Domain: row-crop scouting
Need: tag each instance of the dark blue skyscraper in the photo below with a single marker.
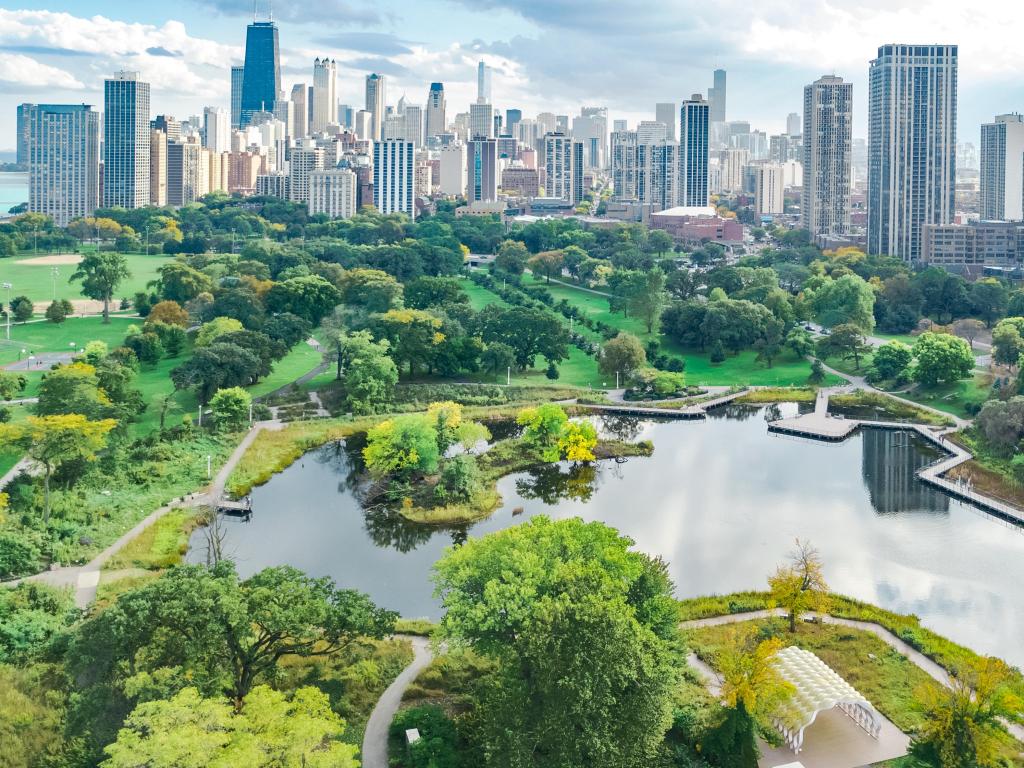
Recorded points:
(261, 80)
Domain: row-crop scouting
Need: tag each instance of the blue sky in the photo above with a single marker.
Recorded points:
(549, 55)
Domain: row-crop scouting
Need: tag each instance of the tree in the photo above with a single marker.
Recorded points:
(623, 354)
(753, 691)
(1008, 341)
(11, 384)
(800, 585)
(848, 300)
(941, 358)
(370, 375)
(577, 442)
(547, 263)
(181, 283)
(581, 629)
(21, 309)
(528, 331)
(800, 342)
(649, 300)
(892, 360)
(72, 388)
(544, 426)
(403, 446)
(511, 257)
(412, 334)
(425, 292)
(497, 357)
(659, 241)
(373, 290)
(147, 346)
(219, 326)
(847, 342)
(169, 312)
(53, 441)
(273, 729)
(969, 329)
(224, 635)
(101, 272)
(769, 344)
(56, 312)
(311, 298)
(216, 367)
(231, 408)
(964, 722)
(989, 299)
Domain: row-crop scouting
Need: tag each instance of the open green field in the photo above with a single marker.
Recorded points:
(36, 280)
(788, 370)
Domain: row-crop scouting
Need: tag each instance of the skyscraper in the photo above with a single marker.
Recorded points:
(305, 159)
(483, 83)
(624, 160)
(435, 121)
(261, 81)
(412, 122)
(216, 131)
(63, 160)
(911, 145)
(157, 167)
(125, 141)
(563, 166)
(792, 124)
(827, 154)
(716, 97)
(482, 170)
(591, 127)
(693, 152)
(665, 112)
(1002, 169)
(325, 98)
(333, 193)
(237, 77)
(512, 118)
(187, 173)
(481, 120)
(376, 102)
(394, 175)
(300, 124)
(769, 189)
(23, 134)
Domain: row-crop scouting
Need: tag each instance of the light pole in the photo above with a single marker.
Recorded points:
(508, 379)
(54, 272)
(8, 286)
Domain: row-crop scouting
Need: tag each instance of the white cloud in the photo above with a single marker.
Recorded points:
(23, 72)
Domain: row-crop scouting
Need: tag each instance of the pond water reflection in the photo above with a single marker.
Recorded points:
(720, 500)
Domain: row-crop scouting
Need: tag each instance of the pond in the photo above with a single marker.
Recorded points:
(720, 500)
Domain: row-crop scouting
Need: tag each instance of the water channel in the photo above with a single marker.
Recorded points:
(720, 500)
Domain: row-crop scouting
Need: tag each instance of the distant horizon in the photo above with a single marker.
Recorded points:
(546, 57)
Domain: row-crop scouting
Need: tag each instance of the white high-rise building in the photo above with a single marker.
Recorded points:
(125, 141)
(591, 127)
(304, 160)
(827, 154)
(731, 163)
(332, 193)
(300, 113)
(394, 176)
(624, 160)
(665, 112)
(63, 160)
(413, 124)
(912, 101)
(435, 120)
(651, 132)
(217, 129)
(157, 168)
(325, 95)
(769, 189)
(376, 103)
(452, 170)
(481, 120)
(483, 83)
(658, 174)
(1002, 169)
(563, 167)
(694, 121)
(793, 124)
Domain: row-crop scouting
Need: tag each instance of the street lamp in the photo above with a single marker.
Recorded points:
(8, 286)
(54, 273)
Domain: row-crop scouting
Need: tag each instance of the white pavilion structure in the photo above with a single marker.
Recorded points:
(818, 689)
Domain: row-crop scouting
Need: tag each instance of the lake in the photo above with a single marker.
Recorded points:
(13, 190)
(721, 501)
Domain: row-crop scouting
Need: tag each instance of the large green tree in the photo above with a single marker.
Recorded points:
(846, 341)
(101, 272)
(940, 357)
(848, 300)
(623, 354)
(583, 631)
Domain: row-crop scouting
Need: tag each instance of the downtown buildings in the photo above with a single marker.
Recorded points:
(126, 141)
(911, 145)
(394, 176)
(62, 153)
(1002, 169)
(827, 153)
(261, 77)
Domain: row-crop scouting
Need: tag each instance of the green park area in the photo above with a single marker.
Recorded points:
(34, 277)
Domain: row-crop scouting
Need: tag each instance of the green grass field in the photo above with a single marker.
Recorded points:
(36, 280)
(788, 370)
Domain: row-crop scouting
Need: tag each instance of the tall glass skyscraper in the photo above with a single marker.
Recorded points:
(63, 160)
(694, 117)
(261, 80)
(237, 75)
(126, 141)
(911, 145)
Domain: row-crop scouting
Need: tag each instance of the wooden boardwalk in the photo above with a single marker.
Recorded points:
(692, 412)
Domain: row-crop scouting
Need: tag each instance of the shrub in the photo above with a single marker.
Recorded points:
(439, 744)
(460, 479)
(231, 408)
(17, 555)
(717, 352)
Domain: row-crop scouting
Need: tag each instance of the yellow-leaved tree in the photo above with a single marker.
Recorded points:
(800, 586)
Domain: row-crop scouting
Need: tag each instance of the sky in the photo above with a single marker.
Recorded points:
(547, 55)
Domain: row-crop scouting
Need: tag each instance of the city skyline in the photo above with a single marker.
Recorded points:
(50, 54)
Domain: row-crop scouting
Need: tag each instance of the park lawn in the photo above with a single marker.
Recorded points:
(954, 398)
(480, 297)
(36, 280)
(299, 361)
(596, 308)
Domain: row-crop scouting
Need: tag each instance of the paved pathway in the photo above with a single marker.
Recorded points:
(84, 579)
(933, 670)
(375, 738)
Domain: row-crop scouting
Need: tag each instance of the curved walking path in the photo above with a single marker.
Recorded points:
(929, 667)
(375, 737)
(85, 579)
